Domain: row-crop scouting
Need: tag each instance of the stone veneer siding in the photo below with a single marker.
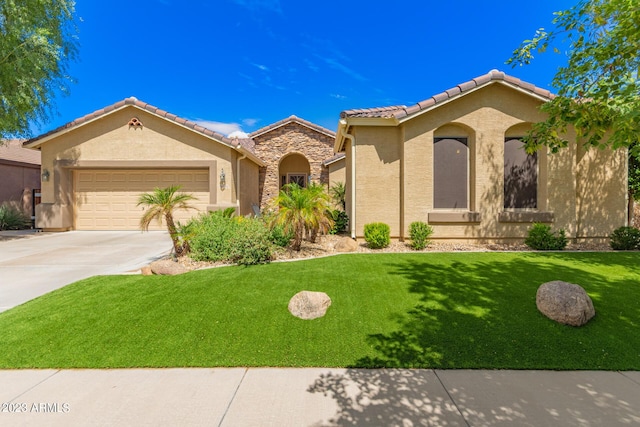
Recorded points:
(290, 138)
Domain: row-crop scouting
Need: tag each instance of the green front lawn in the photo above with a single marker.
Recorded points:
(429, 310)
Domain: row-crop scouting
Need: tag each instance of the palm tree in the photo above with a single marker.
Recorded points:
(162, 202)
(338, 193)
(298, 209)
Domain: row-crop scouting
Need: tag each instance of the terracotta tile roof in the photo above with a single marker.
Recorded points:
(292, 119)
(234, 142)
(333, 159)
(401, 111)
(12, 150)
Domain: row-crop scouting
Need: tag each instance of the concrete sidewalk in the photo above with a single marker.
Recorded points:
(318, 397)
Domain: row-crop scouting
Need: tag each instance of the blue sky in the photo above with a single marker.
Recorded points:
(244, 64)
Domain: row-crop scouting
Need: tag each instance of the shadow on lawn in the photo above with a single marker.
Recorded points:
(474, 314)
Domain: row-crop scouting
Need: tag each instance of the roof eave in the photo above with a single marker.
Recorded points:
(37, 142)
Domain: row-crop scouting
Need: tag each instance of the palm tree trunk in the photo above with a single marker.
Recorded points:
(173, 233)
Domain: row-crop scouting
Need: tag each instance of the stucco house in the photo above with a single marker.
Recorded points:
(95, 167)
(456, 161)
(19, 175)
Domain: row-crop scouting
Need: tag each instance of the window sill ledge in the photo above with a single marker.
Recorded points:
(454, 217)
(526, 217)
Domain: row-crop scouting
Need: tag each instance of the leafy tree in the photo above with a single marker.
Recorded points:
(299, 209)
(161, 203)
(598, 89)
(38, 38)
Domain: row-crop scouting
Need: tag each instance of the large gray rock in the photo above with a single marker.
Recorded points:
(309, 305)
(166, 267)
(346, 244)
(565, 303)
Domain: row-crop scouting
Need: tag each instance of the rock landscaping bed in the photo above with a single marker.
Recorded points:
(326, 245)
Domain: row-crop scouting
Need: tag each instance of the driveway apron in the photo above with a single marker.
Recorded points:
(36, 265)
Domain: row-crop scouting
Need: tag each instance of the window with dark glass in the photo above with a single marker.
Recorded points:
(450, 173)
(520, 176)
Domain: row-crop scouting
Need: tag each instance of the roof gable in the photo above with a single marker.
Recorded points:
(244, 145)
(402, 112)
(296, 120)
(394, 115)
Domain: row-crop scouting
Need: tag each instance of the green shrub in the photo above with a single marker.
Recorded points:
(250, 242)
(419, 233)
(340, 221)
(13, 219)
(280, 237)
(625, 239)
(543, 239)
(377, 235)
(218, 237)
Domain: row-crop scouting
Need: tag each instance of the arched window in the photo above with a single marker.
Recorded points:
(451, 173)
(520, 176)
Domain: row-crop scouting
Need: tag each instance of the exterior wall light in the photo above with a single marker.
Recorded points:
(223, 180)
(45, 175)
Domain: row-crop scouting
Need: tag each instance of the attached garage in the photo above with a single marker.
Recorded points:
(95, 168)
(107, 199)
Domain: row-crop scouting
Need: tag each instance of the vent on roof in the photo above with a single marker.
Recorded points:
(135, 123)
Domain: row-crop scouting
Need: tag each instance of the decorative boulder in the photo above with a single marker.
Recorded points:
(146, 271)
(166, 267)
(565, 303)
(346, 244)
(309, 305)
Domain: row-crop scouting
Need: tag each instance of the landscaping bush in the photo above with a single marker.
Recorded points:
(419, 233)
(250, 242)
(280, 237)
(376, 234)
(340, 221)
(13, 219)
(218, 237)
(543, 239)
(625, 239)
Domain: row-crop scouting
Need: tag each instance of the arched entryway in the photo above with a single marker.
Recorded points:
(294, 168)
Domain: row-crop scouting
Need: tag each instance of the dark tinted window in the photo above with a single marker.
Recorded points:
(450, 173)
(520, 176)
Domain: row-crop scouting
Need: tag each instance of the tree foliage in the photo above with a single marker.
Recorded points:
(298, 209)
(598, 88)
(161, 203)
(38, 39)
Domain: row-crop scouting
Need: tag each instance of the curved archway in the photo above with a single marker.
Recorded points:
(294, 167)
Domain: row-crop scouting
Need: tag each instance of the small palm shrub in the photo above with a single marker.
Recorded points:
(419, 233)
(376, 234)
(625, 239)
(541, 238)
(340, 221)
(12, 218)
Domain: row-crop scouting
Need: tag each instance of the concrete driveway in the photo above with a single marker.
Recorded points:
(41, 262)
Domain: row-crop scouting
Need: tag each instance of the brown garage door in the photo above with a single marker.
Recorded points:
(107, 199)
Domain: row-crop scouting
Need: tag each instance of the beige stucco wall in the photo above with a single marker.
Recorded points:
(585, 192)
(337, 172)
(377, 189)
(249, 175)
(109, 142)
